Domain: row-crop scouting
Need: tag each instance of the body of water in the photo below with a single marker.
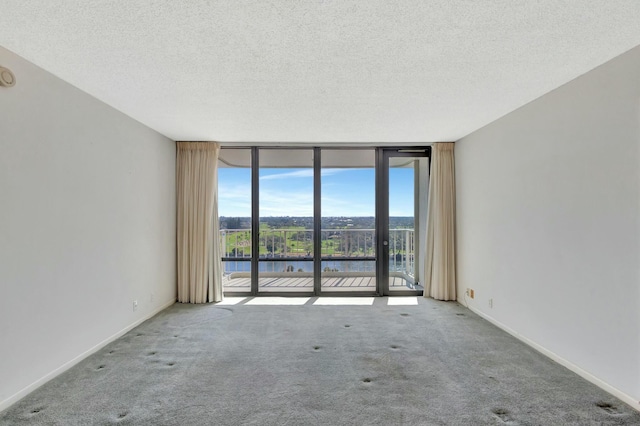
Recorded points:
(307, 265)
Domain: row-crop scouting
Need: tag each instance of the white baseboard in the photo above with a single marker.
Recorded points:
(64, 367)
(628, 399)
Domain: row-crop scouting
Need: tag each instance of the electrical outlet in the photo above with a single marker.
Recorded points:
(135, 305)
(491, 303)
(472, 293)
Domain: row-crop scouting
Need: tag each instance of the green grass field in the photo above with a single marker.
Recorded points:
(294, 241)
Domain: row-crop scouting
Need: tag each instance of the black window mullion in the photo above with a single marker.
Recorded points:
(317, 223)
(255, 219)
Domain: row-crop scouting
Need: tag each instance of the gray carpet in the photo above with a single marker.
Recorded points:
(432, 364)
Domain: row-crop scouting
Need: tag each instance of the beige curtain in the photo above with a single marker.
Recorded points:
(440, 279)
(198, 242)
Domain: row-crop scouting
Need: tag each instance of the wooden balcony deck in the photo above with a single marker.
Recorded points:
(305, 284)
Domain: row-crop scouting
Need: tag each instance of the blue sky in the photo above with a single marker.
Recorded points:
(289, 192)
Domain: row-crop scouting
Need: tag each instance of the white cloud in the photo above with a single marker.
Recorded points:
(304, 173)
(234, 200)
(287, 175)
(274, 203)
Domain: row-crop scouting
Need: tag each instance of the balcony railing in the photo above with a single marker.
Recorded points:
(289, 246)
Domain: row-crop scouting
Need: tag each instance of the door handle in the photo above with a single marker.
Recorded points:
(385, 243)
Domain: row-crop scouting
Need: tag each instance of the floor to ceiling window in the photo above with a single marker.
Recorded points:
(326, 221)
(348, 232)
(286, 220)
(234, 210)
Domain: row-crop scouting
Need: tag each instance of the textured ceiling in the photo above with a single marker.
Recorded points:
(318, 70)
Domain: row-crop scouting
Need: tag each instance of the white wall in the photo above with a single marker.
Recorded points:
(87, 225)
(548, 202)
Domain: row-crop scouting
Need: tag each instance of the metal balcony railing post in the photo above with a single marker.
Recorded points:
(223, 243)
(406, 252)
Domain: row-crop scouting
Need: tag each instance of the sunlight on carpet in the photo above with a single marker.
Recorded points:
(262, 301)
(344, 301)
(402, 301)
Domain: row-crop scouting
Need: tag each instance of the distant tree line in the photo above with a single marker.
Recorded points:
(306, 222)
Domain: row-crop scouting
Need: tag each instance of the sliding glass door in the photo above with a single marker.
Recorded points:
(402, 207)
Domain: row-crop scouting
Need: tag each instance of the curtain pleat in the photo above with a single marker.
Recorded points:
(440, 279)
(198, 243)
